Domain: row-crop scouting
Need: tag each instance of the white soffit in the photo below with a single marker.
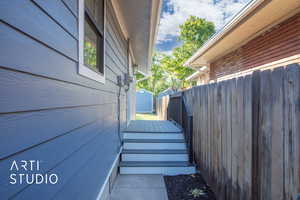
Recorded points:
(140, 17)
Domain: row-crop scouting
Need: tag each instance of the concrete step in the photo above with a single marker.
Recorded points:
(155, 155)
(153, 140)
(157, 144)
(168, 168)
(153, 135)
(143, 151)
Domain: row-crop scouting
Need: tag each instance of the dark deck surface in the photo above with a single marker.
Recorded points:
(152, 126)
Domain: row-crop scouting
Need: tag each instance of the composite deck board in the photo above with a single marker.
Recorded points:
(152, 126)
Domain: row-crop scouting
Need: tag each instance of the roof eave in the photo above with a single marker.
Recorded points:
(155, 18)
(136, 17)
(226, 29)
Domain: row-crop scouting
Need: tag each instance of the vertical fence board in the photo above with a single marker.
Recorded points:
(218, 106)
(265, 132)
(228, 121)
(277, 134)
(235, 150)
(210, 131)
(240, 136)
(255, 135)
(215, 137)
(246, 134)
(212, 135)
(247, 127)
(291, 131)
(223, 165)
(206, 129)
(200, 122)
(197, 120)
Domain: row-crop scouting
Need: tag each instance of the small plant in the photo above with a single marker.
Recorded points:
(197, 192)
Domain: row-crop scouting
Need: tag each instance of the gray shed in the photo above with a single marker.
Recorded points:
(144, 101)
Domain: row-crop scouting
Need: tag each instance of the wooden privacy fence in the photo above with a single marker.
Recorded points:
(246, 134)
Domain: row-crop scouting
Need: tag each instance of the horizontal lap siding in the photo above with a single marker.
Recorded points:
(274, 44)
(47, 111)
(72, 5)
(27, 17)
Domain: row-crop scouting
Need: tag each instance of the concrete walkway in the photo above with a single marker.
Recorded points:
(139, 187)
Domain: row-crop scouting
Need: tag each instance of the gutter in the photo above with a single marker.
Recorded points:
(249, 8)
(155, 19)
(142, 79)
(202, 70)
(192, 76)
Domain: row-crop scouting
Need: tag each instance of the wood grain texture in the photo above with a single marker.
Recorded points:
(277, 134)
(291, 131)
(246, 134)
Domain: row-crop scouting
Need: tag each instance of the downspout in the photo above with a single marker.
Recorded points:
(128, 70)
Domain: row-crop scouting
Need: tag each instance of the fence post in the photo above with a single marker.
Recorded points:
(255, 130)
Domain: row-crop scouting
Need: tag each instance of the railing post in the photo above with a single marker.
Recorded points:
(178, 111)
(192, 160)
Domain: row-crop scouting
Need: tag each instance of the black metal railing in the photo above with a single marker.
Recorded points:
(179, 112)
(174, 111)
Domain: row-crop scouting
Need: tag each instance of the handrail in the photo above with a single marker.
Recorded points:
(187, 125)
(179, 111)
(187, 107)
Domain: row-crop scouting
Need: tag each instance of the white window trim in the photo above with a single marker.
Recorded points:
(83, 69)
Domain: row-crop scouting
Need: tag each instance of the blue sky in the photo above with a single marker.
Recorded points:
(175, 12)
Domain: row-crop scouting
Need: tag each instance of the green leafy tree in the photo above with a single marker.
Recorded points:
(168, 70)
(139, 76)
(196, 30)
(156, 82)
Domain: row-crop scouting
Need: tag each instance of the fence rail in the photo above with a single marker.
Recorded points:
(245, 136)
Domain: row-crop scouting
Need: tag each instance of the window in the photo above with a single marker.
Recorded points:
(91, 39)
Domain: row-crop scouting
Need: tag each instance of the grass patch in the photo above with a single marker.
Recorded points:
(146, 117)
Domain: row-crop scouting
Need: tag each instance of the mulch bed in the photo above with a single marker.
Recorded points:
(188, 187)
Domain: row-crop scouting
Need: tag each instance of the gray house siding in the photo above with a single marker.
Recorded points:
(48, 111)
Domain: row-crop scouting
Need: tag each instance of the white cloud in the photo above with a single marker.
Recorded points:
(219, 13)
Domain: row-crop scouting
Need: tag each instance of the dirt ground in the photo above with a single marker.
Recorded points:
(188, 187)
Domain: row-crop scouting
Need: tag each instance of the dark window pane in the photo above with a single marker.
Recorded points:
(100, 14)
(91, 5)
(91, 44)
(94, 35)
(96, 9)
